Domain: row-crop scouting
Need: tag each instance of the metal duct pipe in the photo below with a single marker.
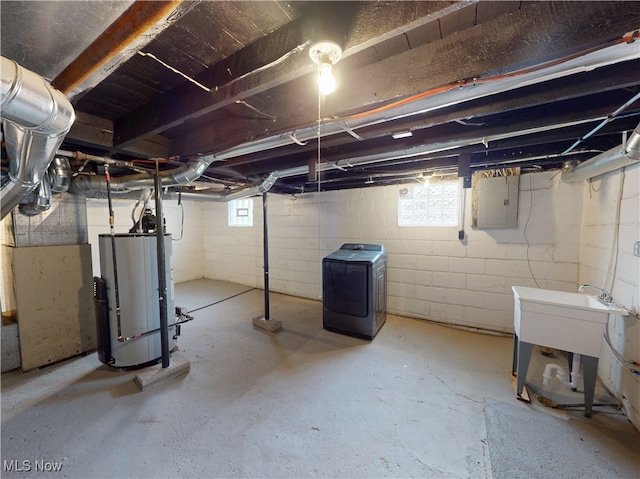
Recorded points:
(189, 172)
(35, 117)
(618, 157)
(60, 175)
(39, 200)
(264, 186)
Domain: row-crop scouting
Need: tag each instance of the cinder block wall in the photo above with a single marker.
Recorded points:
(604, 230)
(432, 274)
(187, 252)
(232, 254)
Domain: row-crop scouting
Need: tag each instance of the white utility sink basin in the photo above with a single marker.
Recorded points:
(572, 322)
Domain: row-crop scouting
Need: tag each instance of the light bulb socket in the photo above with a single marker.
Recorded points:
(325, 52)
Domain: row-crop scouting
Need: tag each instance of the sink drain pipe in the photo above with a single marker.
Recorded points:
(561, 375)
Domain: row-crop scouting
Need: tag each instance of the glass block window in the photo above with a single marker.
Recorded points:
(433, 204)
(240, 212)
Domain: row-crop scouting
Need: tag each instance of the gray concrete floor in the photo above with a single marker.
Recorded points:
(303, 402)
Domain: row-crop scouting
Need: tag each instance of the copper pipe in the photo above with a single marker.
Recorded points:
(133, 23)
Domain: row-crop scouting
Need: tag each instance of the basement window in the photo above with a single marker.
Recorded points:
(240, 212)
(433, 204)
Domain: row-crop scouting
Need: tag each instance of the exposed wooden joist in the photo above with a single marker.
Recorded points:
(289, 116)
(481, 139)
(188, 101)
(95, 132)
(505, 44)
(127, 29)
(498, 46)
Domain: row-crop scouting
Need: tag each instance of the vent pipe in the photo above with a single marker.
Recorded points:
(35, 118)
(39, 200)
(618, 157)
(262, 187)
(189, 172)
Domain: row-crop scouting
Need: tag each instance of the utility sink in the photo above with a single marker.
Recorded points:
(572, 322)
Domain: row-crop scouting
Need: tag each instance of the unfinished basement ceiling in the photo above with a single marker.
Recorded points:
(479, 84)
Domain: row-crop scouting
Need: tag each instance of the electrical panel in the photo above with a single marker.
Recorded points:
(497, 205)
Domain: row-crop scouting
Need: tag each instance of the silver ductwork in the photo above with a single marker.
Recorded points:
(262, 187)
(39, 200)
(35, 118)
(61, 174)
(618, 157)
(189, 172)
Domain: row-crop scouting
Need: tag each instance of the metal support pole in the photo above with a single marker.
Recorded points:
(162, 278)
(265, 249)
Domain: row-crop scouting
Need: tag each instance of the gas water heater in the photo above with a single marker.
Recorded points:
(126, 299)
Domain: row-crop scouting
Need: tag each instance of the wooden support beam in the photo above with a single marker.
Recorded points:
(188, 101)
(129, 27)
(435, 64)
(95, 132)
(292, 114)
(506, 44)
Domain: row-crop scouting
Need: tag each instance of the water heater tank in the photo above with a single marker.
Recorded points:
(137, 284)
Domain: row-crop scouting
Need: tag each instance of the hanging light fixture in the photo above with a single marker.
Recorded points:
(325, 54)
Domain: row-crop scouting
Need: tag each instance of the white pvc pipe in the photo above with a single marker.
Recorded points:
(547, 375)
(561, 375)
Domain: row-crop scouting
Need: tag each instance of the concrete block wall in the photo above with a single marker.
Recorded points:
(187, 252)
(232, 253)
(607, 261)
(432, 274)
(65, 222)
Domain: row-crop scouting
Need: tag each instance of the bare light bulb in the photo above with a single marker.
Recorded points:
(326, 80)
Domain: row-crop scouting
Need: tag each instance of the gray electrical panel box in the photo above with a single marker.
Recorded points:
(498, 202)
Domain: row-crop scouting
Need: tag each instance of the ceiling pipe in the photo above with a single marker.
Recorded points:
(229, 195)
(617, 157)
(425, 149)
(196, 195)
(189, 172)
(441, 98)
(96, 185)
(35, 118)
(39, 200)
(128, 28)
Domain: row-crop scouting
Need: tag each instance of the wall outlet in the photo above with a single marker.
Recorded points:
(636, 248)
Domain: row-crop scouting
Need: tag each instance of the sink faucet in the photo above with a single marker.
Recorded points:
(605, 297)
